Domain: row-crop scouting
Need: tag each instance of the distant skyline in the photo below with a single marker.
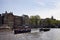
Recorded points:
(43, 8)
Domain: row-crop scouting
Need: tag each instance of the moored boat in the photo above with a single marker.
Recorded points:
(22, 30)
(44, 29)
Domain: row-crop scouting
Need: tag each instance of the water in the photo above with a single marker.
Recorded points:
(53, 34)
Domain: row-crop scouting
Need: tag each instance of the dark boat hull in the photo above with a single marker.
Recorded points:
(19, 31)
(44, 29)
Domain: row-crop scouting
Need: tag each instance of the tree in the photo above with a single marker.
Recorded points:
(48, 22)
(34, 20)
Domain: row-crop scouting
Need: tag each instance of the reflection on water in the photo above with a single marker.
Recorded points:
(53, 34)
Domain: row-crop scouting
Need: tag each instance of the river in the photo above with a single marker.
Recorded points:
(53, 34)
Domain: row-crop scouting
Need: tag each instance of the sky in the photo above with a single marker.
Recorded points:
(43, 8)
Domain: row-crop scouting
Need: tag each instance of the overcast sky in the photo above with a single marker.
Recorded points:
(43, 8)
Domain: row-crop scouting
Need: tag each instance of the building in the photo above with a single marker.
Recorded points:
(18, 22)
(8, 19)
(0, 20)
(52, 18)
(25, 20)
(13, 21)
(43, 23)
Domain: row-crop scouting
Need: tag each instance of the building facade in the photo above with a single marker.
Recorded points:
(13, 21)
(25, 20)
(0, 20)
(18, 21)
(8, 19)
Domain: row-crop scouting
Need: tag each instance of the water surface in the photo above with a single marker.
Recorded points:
(53, 34)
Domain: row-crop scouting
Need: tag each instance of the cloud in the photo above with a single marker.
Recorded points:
(48, 8)
(44, 8)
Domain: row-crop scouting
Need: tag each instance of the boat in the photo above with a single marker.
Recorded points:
(44, 29)
(22, 30)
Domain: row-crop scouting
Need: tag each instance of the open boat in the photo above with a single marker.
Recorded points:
(44, 29)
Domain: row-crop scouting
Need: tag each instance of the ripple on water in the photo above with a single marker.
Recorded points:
(53, 34)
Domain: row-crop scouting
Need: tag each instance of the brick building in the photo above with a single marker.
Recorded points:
(12, 21)
(8, 19)
(18, 21)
